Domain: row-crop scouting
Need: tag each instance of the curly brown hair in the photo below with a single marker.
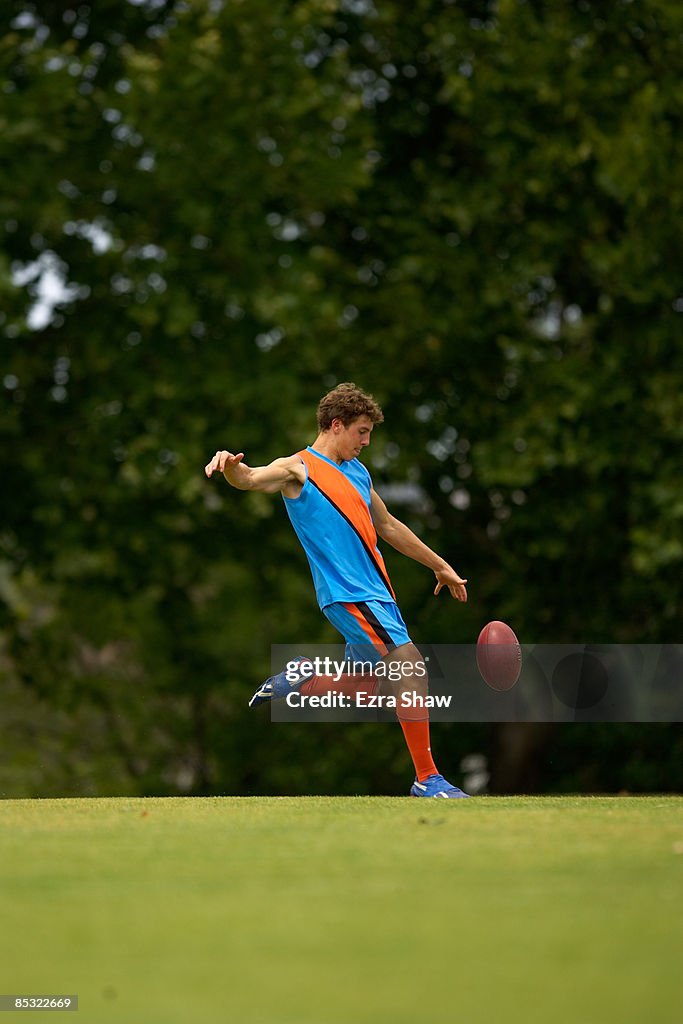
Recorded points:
(347, 402)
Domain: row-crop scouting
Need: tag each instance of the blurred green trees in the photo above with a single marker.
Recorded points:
(212, 212)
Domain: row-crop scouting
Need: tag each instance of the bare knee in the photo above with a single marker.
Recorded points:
(406, 669)
(408, 656)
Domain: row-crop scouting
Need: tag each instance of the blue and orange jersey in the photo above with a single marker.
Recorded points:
(332, 520)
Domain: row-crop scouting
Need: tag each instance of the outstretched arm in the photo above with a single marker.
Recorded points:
(401, 537)
(277, 476)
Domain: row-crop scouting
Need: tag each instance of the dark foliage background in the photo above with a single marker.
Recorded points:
(212, 212)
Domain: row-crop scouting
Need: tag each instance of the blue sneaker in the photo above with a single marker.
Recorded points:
(436, 785)
(280, 685)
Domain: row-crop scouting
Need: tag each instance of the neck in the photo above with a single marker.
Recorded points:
(325, 444)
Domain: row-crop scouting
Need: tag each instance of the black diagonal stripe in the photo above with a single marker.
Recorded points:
(381, 631)
(358, 534)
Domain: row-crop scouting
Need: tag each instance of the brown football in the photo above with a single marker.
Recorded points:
(499, 656)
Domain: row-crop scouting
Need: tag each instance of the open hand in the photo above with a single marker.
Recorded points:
(448, 577)
(223, 462)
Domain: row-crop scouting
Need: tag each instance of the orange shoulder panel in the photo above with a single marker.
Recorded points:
(349, 501)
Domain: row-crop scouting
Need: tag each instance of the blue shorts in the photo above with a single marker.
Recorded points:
(371, 628)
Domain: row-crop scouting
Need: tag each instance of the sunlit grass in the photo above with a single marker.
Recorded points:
(346, 910)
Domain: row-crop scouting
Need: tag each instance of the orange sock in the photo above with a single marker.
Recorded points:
(349, 685)
(417, 737)
(416, 732)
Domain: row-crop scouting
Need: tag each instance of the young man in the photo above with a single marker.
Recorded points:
(337, 516)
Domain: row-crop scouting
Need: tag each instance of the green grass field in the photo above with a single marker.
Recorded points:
(346, 910)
